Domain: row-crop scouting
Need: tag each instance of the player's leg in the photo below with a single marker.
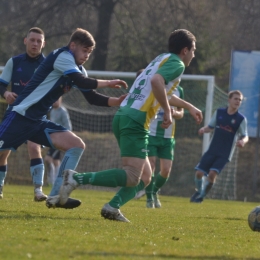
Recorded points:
(166, 155)
(73, 148)
(56, 163)
(52, 161)
(216, 168)
(160, 179)
(132, 139)
(53, 135)
(111, 210)
(3, 169)
(133, 142)
(129, 144)
(152, 150)
(202, 169)
(149, 187)
(36, 170)
(14, 131)
(50, 169)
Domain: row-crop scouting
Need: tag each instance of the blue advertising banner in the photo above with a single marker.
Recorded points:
(245, 76)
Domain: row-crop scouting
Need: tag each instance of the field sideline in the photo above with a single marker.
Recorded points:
(179, 230)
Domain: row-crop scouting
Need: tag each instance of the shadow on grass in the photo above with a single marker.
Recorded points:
(24, 215)
(155, 256)
(236, 219)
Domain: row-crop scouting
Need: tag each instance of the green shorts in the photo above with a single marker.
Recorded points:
(161, 147)
(131, 136)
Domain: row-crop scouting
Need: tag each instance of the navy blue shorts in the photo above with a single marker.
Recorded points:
(15, 129)
(211, 162)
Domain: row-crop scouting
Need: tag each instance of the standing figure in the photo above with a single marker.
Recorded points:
(161, 144)
(230, 130)
(19, 70)
(59, 115)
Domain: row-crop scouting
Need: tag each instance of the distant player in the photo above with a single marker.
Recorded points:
(25, 119)
(161, 144)
(230, 130)
(19, 70)
(151, 90)
(58, 115)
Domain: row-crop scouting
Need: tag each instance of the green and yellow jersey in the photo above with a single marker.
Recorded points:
(140, 103)
(155, 127)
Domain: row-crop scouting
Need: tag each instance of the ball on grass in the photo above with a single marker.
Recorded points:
(254, 219)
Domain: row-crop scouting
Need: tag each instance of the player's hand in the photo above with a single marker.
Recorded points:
(117, 83)
(116, 101)
(196, 114)
(173, 112)
(10, 97)
(167, 119)
(240, 143)
(201, 131)
(121, 98)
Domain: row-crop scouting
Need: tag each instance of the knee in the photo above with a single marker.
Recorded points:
(3, 157)
(133, 176)
(81, 144)
(199, 174)
(77, 143)
(34, 150)
(212, 176)
(165, 172)
(146, 180)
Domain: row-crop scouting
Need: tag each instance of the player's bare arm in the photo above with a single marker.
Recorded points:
(204, 130)
(116, 101)
(241, 143)
(159, 92)
(195, 112)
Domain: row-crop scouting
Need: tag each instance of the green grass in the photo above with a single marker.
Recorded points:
(179, 230)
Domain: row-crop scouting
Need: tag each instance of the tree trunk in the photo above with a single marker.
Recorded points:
(105, 12)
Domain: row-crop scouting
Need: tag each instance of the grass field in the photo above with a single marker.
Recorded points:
(179, 230)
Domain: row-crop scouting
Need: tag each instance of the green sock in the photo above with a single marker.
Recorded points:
(149, 189)
(125, 194)
(159, 182)
(107, 178)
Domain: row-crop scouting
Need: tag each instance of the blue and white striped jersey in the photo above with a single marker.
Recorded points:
(48, 83)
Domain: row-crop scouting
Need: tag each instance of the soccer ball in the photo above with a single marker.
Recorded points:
(254, 219)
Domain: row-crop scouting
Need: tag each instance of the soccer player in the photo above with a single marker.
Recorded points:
(58, 115)
(25, 119)
(161, 144)
(230, 130)
(149, 92)
(19, 70)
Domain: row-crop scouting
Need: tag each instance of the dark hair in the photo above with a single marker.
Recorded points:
(180, 39)
(82, 37)
(36, 30)
(235, 92)
(139, 72)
